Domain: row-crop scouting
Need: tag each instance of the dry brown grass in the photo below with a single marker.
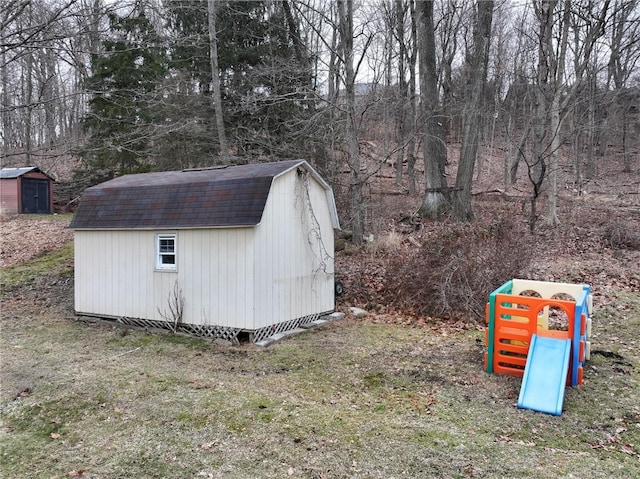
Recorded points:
(357, 399)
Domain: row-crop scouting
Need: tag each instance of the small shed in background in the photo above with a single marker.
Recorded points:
(214, 252)
(25, 190)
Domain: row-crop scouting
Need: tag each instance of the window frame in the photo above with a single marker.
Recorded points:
(160, 265)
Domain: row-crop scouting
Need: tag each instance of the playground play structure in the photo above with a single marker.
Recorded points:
(539, 331)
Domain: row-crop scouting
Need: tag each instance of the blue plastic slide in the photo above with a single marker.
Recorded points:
(545, 375)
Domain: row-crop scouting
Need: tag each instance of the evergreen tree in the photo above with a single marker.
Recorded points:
(265, 78)
(127, 98)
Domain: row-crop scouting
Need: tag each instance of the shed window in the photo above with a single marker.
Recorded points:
(166, 248)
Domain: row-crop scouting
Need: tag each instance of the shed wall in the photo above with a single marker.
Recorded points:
(294, 268)
(215, 268)
(115, 275)
(9, 196)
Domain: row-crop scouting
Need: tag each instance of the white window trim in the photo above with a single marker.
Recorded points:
(160, 266)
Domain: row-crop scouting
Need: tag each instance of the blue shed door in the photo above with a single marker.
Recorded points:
(35, 196)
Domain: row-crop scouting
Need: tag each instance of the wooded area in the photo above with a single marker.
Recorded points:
(123, 86)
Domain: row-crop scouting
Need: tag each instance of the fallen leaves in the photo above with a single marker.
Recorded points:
(614, 442)
(24, 237)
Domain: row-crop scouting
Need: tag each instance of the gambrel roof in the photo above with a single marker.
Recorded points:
(230, 196)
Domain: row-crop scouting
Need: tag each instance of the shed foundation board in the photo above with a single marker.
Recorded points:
(324, 320)
(219, 332)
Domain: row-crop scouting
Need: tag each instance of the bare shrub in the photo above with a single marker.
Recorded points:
(621, 236)
(387, 243)
(453, 272)
(175, 302)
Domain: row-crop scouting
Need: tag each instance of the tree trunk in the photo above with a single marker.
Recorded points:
(542, 130)
(5, 103)
(50, 96)
(402, 87)
(345, 14)
(626, 153)
(552, 208)
(448, 27)
(215, 82)
(435, 152)
(411, 147)
(333, 80)
(28, 100)
(333, 93)
(555, 118)
(472, 117)
(578, 150)
(518, 156)
(506, 178)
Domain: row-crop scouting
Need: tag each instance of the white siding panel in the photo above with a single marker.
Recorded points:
(82, 262)
(213, 266)
(138, 262)
(294, 252)
(114, 273)
(324, 247)
(91, 281)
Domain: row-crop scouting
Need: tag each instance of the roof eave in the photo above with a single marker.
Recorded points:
(163, 228)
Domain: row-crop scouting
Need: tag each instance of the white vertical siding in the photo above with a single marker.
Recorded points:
(323, 246)
(115, 275)
(215, 275)
(293, 275)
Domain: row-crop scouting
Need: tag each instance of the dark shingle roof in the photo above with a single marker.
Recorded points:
(216, 197)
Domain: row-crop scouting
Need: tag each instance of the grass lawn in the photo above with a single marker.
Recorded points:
(356, 399)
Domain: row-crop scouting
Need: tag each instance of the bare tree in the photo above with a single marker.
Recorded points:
(518, 104)
(623, 60)
(590, 21)
(451, 28)
(215, 81)
(435, 153)
(404, 32)
(411, 94)
(44, 57)
(473, 115)
(557, 86)
(345, 19)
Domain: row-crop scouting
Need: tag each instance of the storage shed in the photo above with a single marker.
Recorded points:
(25, 190)
(213, 252)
